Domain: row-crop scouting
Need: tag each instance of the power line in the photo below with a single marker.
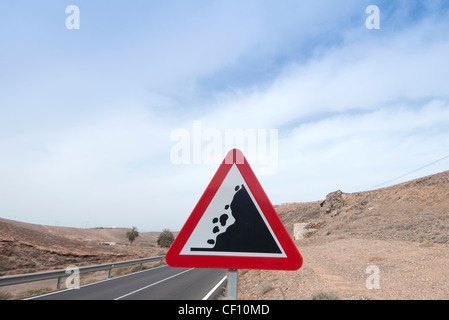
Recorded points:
(406, 174)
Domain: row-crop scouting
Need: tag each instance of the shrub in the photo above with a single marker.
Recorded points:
(265, 286)
(165, 239)
(325, 296)
(132, 235)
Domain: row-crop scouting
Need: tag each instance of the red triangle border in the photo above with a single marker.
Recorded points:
(293, 259)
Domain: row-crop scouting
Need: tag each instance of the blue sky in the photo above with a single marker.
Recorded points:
(86, 115)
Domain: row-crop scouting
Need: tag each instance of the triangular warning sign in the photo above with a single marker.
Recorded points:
(234, 225)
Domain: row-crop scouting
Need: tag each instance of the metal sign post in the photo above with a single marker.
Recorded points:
(232, 284)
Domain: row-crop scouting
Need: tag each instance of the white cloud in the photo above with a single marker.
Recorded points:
(356, 77)
(354, 116)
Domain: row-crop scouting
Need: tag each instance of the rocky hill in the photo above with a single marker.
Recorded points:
(401, 232)
(417, 210)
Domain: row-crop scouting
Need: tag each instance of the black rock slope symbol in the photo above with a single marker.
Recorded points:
(248, 233)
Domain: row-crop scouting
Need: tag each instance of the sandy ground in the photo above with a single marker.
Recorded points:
(406, 270)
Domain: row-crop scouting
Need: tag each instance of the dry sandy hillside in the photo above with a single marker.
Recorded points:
(26, 247)
(400, 233)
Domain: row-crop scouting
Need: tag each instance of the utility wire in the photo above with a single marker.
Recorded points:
(406, 174)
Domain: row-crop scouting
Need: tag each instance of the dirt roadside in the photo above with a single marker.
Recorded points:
(407, 271)
(403, 230)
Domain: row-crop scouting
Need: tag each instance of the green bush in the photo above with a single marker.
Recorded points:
(132, 235)
(165, 239)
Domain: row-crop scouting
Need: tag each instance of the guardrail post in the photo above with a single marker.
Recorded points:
(109, 273)
(58, 284)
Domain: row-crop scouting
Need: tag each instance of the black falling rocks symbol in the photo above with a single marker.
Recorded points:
(248, 233)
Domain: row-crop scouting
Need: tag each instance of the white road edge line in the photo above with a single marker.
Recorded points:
(214, 288)
(153, 284)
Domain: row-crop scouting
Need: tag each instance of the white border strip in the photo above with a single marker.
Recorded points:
(215, 288)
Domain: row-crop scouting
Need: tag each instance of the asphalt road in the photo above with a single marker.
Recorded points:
(160, 283)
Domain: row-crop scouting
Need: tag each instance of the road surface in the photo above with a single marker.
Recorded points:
(160, 283)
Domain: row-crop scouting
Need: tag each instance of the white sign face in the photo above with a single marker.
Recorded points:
(233, 224)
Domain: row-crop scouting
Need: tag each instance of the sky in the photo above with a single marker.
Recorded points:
(124, 119)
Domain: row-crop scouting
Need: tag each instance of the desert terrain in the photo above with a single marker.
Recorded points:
(26, 247)
(399, 235)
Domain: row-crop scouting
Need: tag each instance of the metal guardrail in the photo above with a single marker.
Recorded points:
(58, 274)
